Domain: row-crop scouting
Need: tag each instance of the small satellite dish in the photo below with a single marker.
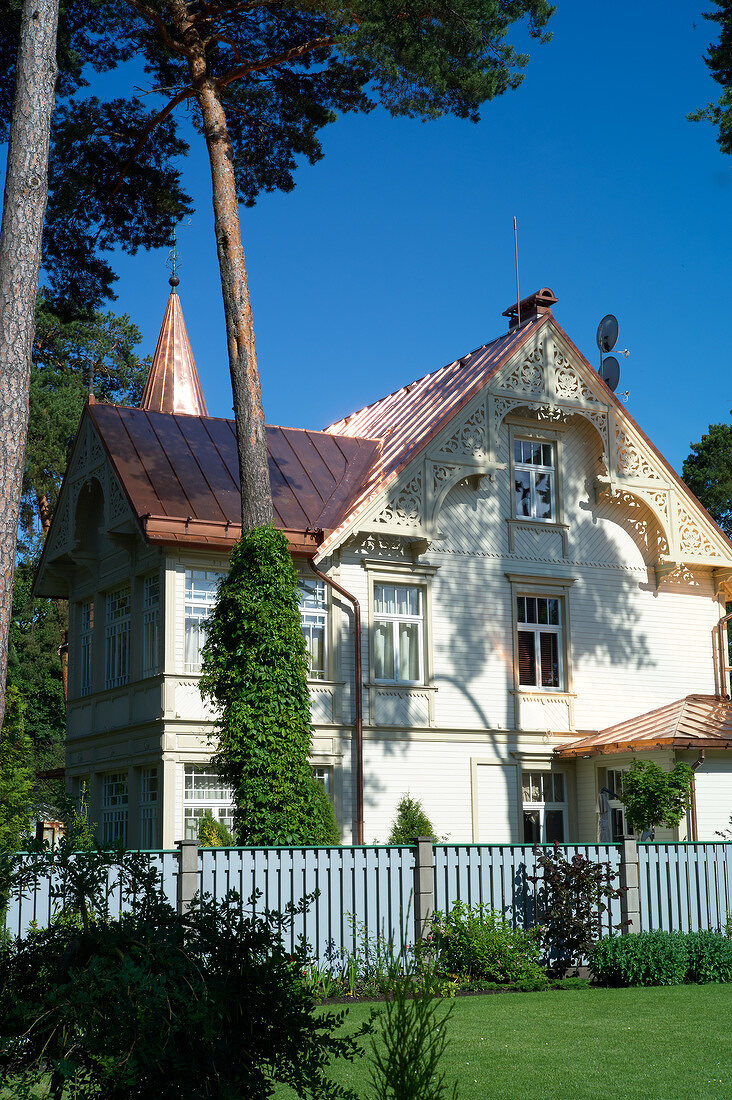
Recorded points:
(607, 333)
(610, 372)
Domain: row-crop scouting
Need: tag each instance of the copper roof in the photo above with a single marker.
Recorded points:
(406, 420)
(181, 476)
(694, 722)
(173, 385)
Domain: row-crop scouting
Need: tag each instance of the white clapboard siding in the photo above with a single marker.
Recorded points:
(713, 797)
(496, 794)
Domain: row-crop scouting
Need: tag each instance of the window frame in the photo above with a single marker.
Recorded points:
(86, 647)
(115, 807)
(397, 619)
(617, 807)
(150, 648)
(553, 588)
(191, 668)
(323, 614)
(149, 806)
(543, 805)
(524, 429)
(401, 574)
(202, 804)
(533, 469)
(116, 652)
(537, 630)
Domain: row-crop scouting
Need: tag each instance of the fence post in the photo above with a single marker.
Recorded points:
(630, 881)
(424, 884)
(187, 873)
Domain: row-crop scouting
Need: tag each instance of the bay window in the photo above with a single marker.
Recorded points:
(150, 614)
(86, 643)
(148, 807)
(205, 793)
(114, 807)
(398, 633)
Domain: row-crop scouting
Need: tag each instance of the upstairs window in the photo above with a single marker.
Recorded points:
(114, 807)
(201, 590)
(150, 616)
(398, 633)
(545, 807)
(539, 625)
(86, 641)
(314, 622)
(534, 480)
(117, 638)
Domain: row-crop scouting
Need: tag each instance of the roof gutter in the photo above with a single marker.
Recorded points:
(358, 671)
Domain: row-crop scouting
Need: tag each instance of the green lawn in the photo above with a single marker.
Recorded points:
(655, 1044)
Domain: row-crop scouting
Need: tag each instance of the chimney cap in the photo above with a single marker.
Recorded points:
(531, 307)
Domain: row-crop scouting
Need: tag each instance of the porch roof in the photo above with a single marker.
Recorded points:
(694, 722)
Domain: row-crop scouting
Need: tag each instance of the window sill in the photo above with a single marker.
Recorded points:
(516, 523)
(544, 693)
(401, 685)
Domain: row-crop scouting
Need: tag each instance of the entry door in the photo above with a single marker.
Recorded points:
(495, 807)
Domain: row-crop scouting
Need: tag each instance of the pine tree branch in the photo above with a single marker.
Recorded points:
(273, 62)
(152, 17)
(186, 93)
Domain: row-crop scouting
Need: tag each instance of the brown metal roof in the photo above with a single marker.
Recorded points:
(181, 476)
(694, 722)
(173, 385)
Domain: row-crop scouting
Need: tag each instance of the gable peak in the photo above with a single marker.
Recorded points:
(173, 385)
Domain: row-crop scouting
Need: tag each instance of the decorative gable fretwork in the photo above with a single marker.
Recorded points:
(89, 463)
(549, 382)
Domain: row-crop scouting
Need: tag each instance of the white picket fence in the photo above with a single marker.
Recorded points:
(365, 892)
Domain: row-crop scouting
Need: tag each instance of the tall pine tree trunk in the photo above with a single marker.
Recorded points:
(24, 208)
(256, 494)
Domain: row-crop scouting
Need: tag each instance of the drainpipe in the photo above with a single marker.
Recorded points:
(720, 655)
(358, 731)
(694, 766)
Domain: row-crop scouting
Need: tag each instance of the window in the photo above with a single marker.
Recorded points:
(324, 774)
(539, 625)
(150, 612)
(117, 639)
(201, 588)
(614, 783)
(398, 633)
(205, 792)
(545, 807)
(148, 807)
(114, 807)
(314, 623)
(86, 640)
(534, 479)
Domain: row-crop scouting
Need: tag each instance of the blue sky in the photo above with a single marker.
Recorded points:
(394, 254)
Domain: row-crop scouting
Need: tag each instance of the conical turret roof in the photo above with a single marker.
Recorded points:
(173, 385)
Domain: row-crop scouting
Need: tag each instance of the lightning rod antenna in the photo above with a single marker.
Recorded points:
(515, 248)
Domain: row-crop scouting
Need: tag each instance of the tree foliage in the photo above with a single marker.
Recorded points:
(654, 797)
(255, 672)
(16, 778)
(708, 473)
(719, 63)
(208, 1005)
(410, 822)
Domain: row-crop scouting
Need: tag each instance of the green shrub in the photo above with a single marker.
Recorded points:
(213, 833)
(328, 829)
(208, 1005)
(654, 797)
(480, 943)
(710, 957)
(410, 822)
(641, 958)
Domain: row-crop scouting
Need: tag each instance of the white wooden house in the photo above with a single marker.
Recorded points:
(538, 594)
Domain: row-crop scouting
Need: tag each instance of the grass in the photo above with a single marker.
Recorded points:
(661, 1043)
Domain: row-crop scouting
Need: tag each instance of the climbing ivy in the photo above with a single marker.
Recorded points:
(255, 673)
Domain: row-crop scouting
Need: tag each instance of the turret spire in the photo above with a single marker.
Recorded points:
(173, 385)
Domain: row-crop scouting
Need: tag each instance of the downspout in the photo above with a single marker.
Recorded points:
(358, 730)
(697, 763)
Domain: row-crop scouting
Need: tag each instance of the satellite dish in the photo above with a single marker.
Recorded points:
(610, 371)
(607, 333)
